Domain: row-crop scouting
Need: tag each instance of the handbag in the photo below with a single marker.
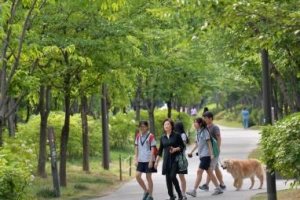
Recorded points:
(182, 162)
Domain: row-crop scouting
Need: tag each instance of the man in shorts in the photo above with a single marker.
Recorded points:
(144, 159)
(215, 132)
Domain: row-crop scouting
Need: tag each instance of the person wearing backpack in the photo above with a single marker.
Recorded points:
(206, 154)
(145, 145)
(179, 129)
(215, 133)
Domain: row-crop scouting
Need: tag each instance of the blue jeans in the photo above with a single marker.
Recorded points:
(245, 123)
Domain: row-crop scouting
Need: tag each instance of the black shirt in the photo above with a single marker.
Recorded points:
(175, 141)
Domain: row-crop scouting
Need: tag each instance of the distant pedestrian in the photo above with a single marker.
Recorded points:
(205, 152)
(205, 109)
(144, 159)
(245, 117)
(171, 145)
(179, 129)
(194, 112)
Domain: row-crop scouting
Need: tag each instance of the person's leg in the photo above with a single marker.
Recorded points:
(244, 123)
(169, 185)
(247, 123)
(198, 178)
(150, 183)
(183, 184)
(175, 180)
(219, 176)
(213, 178)
(204, 164)
(138, 177)
(141, 168)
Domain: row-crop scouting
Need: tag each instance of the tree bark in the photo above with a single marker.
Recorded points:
(85, 133)
(65, 132)
(138, 98)
(282, 86)
(44, 110)
(105, 130)
(11, 122)
(151, 106)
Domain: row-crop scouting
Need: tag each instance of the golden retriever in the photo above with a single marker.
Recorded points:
(241, 169)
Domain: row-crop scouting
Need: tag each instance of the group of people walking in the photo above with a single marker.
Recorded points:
(172, 143)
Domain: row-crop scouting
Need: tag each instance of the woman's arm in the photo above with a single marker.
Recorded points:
(210, 149)
(194, 148)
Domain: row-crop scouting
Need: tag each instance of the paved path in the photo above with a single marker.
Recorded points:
(236, 143)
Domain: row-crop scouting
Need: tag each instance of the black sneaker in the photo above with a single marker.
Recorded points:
(204, 187)
(145, 195)
(223, 187)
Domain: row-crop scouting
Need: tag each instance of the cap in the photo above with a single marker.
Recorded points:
(208, 114)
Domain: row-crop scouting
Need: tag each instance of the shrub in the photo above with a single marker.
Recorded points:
(280, 146)
(16, 166)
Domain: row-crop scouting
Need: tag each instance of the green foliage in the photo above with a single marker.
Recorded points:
(160, 115)
(121, 129)
(30, 132)
(46, 193)
(17, 162)
(280, 145)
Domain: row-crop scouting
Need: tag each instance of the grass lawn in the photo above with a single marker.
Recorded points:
(232, 124)
(85, 185)
(281, 195)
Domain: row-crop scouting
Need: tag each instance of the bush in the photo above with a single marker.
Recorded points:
(31, 131)
(280, 146)
(17, 161)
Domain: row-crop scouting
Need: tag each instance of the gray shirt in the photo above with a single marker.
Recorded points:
(144, 147)
(214, 130)
(201, 139)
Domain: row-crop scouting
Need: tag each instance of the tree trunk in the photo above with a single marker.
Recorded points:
(105, 130)
(65, 133)
(44, 110)
(11, 118)
(169, 106)
(151, 106)
(138, 98)
(85, 133)
(282, 87)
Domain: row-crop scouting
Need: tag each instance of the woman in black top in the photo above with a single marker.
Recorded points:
(171, 144)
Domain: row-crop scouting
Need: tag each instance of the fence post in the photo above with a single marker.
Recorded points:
(120, 163)
(51, 138)
(130, 163)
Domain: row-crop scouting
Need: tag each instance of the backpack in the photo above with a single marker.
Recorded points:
(150, 138)
(214, 144)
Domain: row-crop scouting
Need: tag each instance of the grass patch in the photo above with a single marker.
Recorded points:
(292, 194)
(231, 124)
(85, 185)
(255, 153)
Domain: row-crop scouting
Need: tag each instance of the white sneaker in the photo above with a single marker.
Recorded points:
(217, 191)
(192, 193)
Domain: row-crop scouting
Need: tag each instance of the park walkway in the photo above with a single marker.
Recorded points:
(236, 143)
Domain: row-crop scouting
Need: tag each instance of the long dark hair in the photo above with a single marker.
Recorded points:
(201, 122)
(179, 128)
